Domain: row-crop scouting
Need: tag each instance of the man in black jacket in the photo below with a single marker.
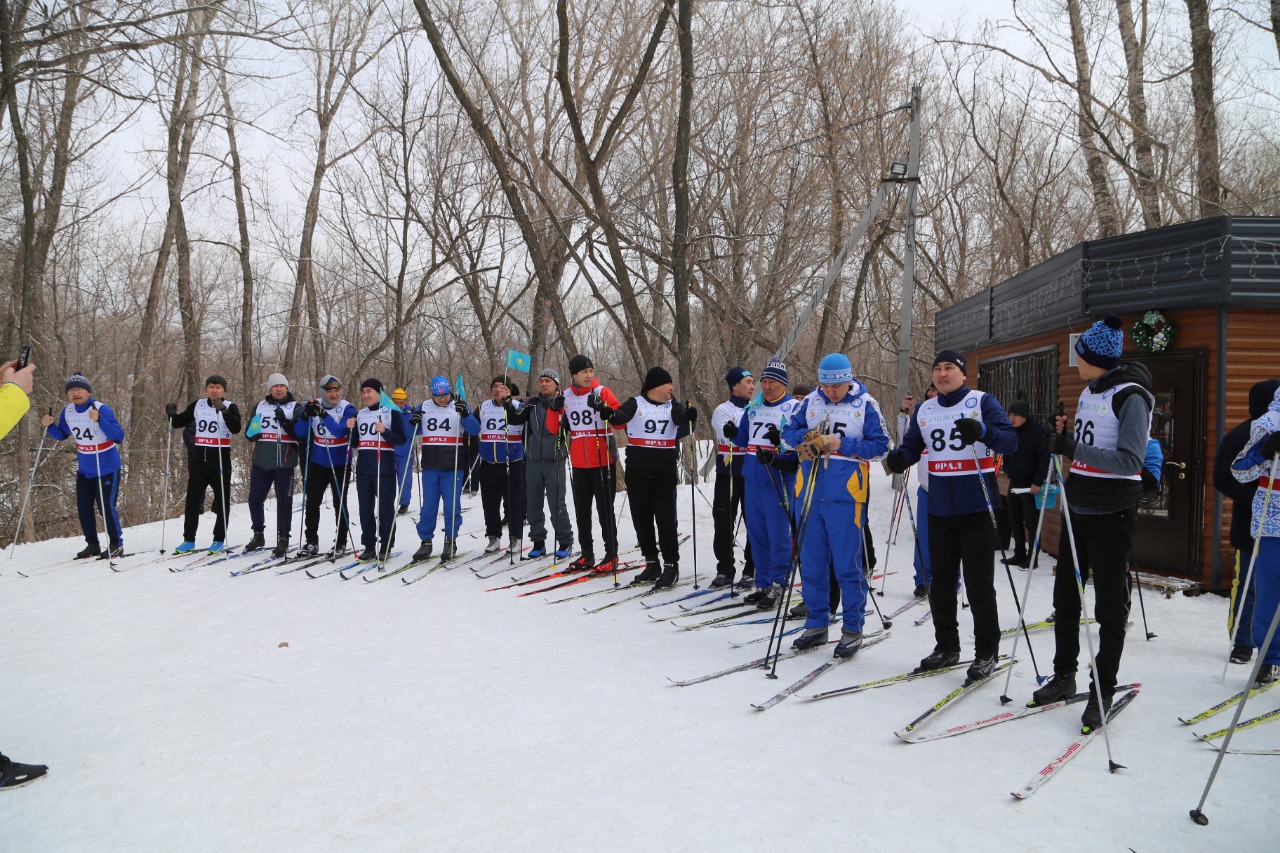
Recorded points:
(546, 448)
(1241, 495)
(1025, 469)
(212, 420)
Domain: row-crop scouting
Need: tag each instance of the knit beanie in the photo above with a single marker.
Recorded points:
(735, 375)
(439, 386)
(834, 369)
(514, 389)
(579, 363)
(1020, 407)
(1102, 344)
(399, 395)
(276, 379)
(775, 370)
(655, 377)
(548, 373)
(215, 379)
(950, 355)
(77, 380)
(375, 384)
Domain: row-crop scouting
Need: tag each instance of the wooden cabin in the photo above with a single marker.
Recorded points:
(1217, 281)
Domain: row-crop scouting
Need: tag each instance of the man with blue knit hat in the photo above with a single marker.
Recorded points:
(96, 432)
(327, 465)
(730, 486)
(769, 474)
(1107, 447)
(837, 431)
(962, 431)
(442, 423)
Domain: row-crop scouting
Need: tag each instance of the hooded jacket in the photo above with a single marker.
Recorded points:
(1241, 494)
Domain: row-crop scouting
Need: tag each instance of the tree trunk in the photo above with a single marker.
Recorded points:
(1135, 64)
(680, 192)
(1104, 203)
(1208, 159)
(247, 369)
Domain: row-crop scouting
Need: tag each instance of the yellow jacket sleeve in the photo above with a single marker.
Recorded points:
(13, 405)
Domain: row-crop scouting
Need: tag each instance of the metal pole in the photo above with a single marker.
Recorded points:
(912, 180)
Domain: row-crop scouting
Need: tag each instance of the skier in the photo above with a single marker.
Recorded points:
(1107, 447)
(327, 466)
(404, 462)
(545, 450)
(441, 431)
(213, 420)
(655, 421)
(726, 505)
(1241, 495)
(501, 466)
(587, 406)
(275, 428)
(837, 431)
(962, 430)
(769, 476)
(380, 430)
(1256, 463)
(1025, 469)
(96, 432)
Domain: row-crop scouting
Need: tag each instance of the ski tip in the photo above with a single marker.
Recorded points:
(1199, 817)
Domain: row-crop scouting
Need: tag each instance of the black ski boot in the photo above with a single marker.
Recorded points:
(309, 549)
(849, 645)
(670, 574)
(810, 638)
(1268, 673)
(1092, 716)
(921, 591)
(1241, 654)
(282, 547)
(15, 775)
(424, 551)
(449, 551)
(800, 611)
(980, 668)
(721, 581)
(748, 581)
(769, 597)
(1057, 688)
(1019, 559)
(938, 659)
(257, 542)
(652, 571)
(89, 551)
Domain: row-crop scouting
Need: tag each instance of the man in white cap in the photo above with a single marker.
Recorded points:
(275, 427)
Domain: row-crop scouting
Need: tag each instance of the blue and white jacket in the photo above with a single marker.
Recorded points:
(96, 450)
(1252, 465)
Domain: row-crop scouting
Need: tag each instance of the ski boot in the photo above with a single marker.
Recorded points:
(424, 551)
(938, 659)
(650, 574)
(849, 645)
(810, 638)
(1057, 688)
(670, 574)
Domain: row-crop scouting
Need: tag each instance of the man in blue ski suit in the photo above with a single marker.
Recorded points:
(442, 424)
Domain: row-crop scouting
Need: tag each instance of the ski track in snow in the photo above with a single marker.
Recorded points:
(439, 716)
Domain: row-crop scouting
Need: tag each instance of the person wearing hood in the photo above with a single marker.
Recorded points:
(726, 505)
(1107, 446)
(327, 470)
(959, 432)
(1025, 469)
(587, 406)
(275, 428)
(837, 431)
(1241, 495)
(212, 420)
(96, 432)
(1257, 463)
(545, 452)
(655, 422)
(442, 424)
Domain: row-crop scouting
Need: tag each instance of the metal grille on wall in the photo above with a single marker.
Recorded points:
(1032, 377)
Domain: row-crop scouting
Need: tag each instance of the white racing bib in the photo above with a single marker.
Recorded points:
(211, 427)
(652, 425)
(948, 456)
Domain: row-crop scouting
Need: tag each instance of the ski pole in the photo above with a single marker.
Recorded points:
(1026, 587)
(342, 496)
(797, 538)
(864, 573)
(995, 528)
(31, 481)
(693, 491)
(102, 503)
(395, 518)
(1084, 612)
(1142, 604)
(889, 539)
(167, 455)
(223, 482)
(1248, 576)
(306, 472)
(795, 553)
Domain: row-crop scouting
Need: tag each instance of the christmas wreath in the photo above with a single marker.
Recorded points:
(1153, 332)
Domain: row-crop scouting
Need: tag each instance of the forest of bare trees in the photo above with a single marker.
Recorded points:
(399, 190)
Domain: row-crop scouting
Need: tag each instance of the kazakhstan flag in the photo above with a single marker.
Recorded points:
(518, 361)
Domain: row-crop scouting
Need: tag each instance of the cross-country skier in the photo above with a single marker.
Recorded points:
(275, 427)
(546, 447)
(963, 430)
(587, 406)
(442, 429)
(1107, 445)
(214, 420)
(837, 431)
(655, 422)
(96, 432)
(379, 430)
(501, 466)
(1256, 463)
(404, 462)
(327, 466)
(769, 476)
(726, 505)
(1241, 494)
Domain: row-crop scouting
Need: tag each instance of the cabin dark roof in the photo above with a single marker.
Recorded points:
(1229, 260)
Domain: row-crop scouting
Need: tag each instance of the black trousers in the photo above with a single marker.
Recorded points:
(200, 477)
(652, 495)
(726, 506)
(376, 489)
(595, 485)
(261, 481)
(1023, 517)
(1105, 545)
(968, 541)
(502, 488)
(320, 478)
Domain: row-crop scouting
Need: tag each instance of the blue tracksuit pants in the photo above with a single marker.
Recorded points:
(832, 537)
(440, 487)
(768, 525)
(1266, 578)
(923, 576)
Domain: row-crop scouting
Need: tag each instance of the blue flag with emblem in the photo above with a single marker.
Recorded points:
(460, 388)
(386, 402)
(255, 427)
(517, 360)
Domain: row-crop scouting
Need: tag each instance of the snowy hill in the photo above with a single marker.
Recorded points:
(441, 716)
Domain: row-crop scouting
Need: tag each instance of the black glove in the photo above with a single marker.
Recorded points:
(416, 418)
(1065, 445)
(765, 456)
(970, 430)
(313, 409)
(1270, 445)
(772, 435)
(170, 409)
(557, 403)
(786, 466)
(594, 401)
(461, 408)
(280, 415)
(730, 430)
(897, 461)
(692, 413)
(219, 405)
(605, 412)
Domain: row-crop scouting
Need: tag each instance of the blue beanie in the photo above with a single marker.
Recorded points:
(735, 375)
(834, 369)
(77, 380)
(439, 386)
(775, 370)
(1102, 344)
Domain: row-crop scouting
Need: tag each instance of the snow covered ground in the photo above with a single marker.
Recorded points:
(439, 716)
